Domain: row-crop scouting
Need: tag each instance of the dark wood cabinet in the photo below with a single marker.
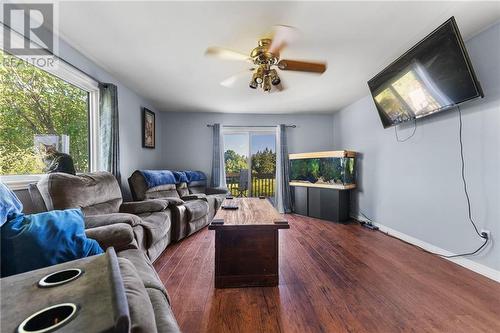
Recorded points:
(323, 203)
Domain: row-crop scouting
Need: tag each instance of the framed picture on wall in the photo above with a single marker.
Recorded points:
(148, 128)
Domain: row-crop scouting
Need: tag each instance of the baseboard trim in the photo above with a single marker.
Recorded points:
(464, 262)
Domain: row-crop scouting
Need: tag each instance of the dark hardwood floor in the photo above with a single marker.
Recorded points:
(333, 278)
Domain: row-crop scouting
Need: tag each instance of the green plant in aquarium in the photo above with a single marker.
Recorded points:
(349, 171)
(314, 168)
(298, 169)
(327, 170)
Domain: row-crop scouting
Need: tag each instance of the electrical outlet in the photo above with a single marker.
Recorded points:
(486, 233)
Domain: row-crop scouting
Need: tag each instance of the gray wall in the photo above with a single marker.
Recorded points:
(132, 155)
(187, 141)
(415, 187)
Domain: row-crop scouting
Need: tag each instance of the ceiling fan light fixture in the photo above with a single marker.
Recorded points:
(253, 84)
(267, 83)
(259, 75)
(275, 79)
(266, 60)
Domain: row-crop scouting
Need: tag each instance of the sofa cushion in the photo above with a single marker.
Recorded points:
(142, 314)
(162, 191)
(196, 209)
(95, 193)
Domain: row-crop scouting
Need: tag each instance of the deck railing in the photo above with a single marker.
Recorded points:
(262, 185)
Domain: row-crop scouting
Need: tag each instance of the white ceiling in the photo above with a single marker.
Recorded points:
(157, 48)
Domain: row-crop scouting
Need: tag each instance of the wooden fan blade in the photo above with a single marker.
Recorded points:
(302, 66)
(283, 35)
(230, 81)
(223, 53)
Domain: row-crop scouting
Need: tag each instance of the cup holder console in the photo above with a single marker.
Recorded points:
(60, 277)
(48, 319)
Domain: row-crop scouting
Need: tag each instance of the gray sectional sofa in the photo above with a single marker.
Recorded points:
(139, 232)
(193, 203)
(99, 197)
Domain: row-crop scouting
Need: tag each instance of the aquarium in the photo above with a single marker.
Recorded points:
(331, 169)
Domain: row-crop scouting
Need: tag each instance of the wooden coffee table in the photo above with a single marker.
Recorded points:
(246, 243)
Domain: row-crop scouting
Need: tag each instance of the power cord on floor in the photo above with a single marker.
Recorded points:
(368, 223)
(484, 236)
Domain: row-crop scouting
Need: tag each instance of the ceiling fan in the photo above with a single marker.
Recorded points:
(266, 59)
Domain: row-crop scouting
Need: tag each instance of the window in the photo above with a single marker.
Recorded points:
(250, 161)
(41, 112)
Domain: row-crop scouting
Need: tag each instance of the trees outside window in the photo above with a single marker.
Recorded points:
(37, 106)
(255, 151)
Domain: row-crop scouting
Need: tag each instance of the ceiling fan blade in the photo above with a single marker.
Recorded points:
(223, 53)
(283, 35)
(302, 66)
(230, 81)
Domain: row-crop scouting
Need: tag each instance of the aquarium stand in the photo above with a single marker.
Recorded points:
(322, 203)
(321, 183)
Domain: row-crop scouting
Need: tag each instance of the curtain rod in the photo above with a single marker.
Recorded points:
(211, 125)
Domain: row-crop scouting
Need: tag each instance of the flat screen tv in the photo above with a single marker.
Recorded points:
(434, 75)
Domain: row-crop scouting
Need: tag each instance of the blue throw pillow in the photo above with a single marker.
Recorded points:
(35, 241)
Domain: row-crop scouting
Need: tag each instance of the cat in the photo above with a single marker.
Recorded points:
(56, 161)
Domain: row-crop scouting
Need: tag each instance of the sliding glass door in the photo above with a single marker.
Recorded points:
(263, 163)
(250, 157)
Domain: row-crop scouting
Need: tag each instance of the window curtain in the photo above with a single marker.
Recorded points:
(109, 148)
(283, 194)
(218, 178)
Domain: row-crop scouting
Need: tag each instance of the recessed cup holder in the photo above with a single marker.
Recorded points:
(48, 319)
(60, 277)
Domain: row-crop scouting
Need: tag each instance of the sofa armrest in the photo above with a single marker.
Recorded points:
(146, 206)
(216, 190)
(174, 201)
(195, 196)
(119, 235)
(94, 221)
